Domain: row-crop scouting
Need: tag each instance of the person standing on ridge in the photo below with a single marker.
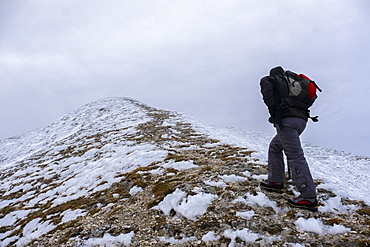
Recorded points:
(289, 121)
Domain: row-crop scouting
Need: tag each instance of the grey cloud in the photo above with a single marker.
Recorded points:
(203, 58)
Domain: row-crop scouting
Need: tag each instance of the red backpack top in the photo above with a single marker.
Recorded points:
(311, 87)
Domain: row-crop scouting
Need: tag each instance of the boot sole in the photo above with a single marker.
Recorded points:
(312, 209)
(279, 191)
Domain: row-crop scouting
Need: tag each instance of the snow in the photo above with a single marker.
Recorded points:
(246, 235)
(295, 245)
(181, 165)
(219, 184)
(246, 173)
(246, 215)
(173, 240)
(260, 199)
(232, 178)
(135, 189)
(171, 201)
(335, 205)
(261, 177)
(188, 206)
(69, 215)
(195, 205)
(109, 240)
(7, 241)
(316, 226)
(12, 217)
(344, 174)
(34, 229)
(210, 236)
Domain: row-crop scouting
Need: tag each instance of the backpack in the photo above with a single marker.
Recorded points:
(301, 86)
(298, 91)
(302, 92)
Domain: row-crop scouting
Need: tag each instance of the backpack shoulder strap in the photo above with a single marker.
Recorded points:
(280, 104)
(275, 91)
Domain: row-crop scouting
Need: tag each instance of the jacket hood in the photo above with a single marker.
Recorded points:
(277, 71)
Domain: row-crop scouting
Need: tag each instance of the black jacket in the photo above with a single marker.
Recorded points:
(284, 106)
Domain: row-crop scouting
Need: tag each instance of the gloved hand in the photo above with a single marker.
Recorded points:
(272, 111)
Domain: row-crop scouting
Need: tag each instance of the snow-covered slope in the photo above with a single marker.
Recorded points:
(345, 174)
(98, 158)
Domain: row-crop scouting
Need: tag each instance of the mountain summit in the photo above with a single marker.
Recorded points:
(117, 172)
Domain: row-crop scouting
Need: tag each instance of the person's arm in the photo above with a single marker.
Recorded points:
(267, 91)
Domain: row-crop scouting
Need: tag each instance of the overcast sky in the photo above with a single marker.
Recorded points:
(203, 58)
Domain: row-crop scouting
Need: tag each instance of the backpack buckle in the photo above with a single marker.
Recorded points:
(283, 106)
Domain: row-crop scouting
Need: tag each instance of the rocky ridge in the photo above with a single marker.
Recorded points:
(229, 172)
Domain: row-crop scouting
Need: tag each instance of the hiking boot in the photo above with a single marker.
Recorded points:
(304, 203)
(272, 187)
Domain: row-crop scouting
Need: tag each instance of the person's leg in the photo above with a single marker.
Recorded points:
(276, 167)
(289, 138)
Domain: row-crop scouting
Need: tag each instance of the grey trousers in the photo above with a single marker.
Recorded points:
(287, 140)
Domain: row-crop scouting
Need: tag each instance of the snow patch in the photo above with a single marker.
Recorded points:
(195, 205)
(246, 215)
(260, 177)
(109, 240)
(190, 207)
(173, 240)
(171, 201)
(316, 226)
(260, 199)
(219, 184)
(210, 236)
(245, 234)
(34, 229)
(246, 173)
(334, 204)
(69, 215)
(232, 178)
(180, 166)
(12, 217)
(136, 189)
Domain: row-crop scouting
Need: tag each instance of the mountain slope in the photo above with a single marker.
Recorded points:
(117, 171)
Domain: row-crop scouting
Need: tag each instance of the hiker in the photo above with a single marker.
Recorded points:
(289, 121)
